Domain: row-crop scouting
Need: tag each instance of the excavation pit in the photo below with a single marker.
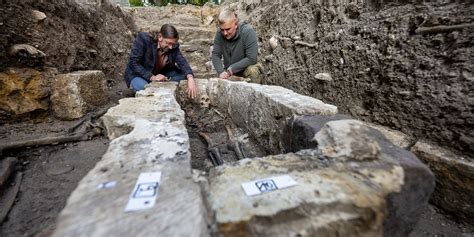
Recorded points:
(346, 185)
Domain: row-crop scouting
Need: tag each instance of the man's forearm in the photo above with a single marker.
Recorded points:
(217, 62)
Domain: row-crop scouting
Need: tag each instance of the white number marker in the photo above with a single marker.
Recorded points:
(145, 192)
(266, 185)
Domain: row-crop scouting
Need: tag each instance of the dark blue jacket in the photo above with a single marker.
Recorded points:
(143, 55)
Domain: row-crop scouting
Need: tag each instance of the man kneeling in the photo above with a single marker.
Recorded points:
(158, 59)
(236, 43)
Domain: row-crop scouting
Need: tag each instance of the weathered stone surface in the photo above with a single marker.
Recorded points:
(454, 190)
(264, 110)
(155, 104)
(334, 196)
(300, 130)
(405, 207)
(330, 199)
(23, 92)
(347, 139)
(396, 137)
(153, 144)
(75, 94)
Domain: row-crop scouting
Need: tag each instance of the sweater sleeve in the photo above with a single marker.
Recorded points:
(217, 53)
(251, 51)
(137, 56)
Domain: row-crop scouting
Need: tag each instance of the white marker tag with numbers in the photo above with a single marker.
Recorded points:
(266, 185)
(145, 192)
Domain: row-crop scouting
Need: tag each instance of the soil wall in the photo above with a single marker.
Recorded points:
(75, 35)
(45, 38)
(403, 65)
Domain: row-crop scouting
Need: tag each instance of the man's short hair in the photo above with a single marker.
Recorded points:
(226, 14)
(168, 31)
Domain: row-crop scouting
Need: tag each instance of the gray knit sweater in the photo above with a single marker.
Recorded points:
(238, 53)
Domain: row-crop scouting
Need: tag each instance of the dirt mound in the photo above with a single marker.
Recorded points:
(407, 66)
(64, 35)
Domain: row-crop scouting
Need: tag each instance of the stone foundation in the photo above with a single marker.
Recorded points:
(355, 183)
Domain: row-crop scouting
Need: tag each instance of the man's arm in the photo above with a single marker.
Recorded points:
(251, 51)
(183, 64)
(136, 56)
(217, 53)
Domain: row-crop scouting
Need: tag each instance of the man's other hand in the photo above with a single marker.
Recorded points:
(158, 77)
(191, 88)
(224, 75)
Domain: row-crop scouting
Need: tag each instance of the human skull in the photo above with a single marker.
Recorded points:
(204, 101)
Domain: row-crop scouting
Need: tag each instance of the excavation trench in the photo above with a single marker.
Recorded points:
(228, 142)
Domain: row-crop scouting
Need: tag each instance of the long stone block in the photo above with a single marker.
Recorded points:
(75, 94)
(156, 103)
(156, 140)
(454, 190)
(264, 110)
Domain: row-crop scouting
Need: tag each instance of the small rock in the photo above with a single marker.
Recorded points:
(25, 50)
(59, 169)
(38, 16)
(269, 58)
(273, 42)
(323, 77)
(467, 75)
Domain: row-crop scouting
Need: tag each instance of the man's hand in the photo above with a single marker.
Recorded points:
(191, 88)
(158, 77)
(224, 75)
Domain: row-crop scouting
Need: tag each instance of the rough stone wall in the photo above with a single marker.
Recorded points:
(75, 35)
(64, 35)
(382, 66)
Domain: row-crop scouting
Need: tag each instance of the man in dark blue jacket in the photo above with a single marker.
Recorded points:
(158, 60)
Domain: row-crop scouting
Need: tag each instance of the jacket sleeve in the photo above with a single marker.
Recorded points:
(137, 56)
(217, 53)
(251, 51)
(183, 63)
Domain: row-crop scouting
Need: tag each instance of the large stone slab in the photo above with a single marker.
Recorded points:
(156, 103)
(24, 92)
(454, 179)
(352, 139)
(157, 140)
(263, 110)
(336, 195)
(300, 132)
(76, 93)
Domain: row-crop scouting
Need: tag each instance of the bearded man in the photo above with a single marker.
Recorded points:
(158, 59)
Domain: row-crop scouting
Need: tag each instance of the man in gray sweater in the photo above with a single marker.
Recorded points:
(236, 44)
